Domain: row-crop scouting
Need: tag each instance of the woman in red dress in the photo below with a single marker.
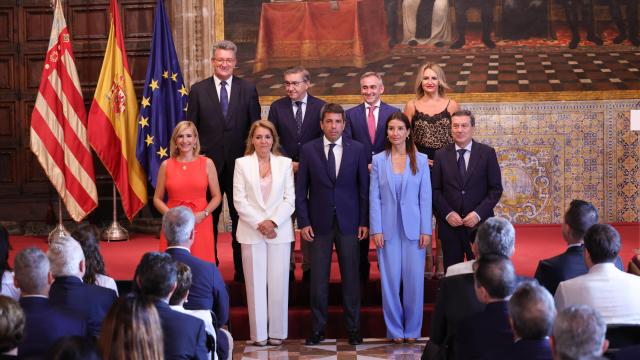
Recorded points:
(185, 178)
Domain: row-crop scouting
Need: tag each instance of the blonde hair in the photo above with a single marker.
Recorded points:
(266, 124)
(442, 80)
(182, 125)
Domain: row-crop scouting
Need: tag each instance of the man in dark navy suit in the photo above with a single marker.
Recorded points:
(184, 335)
(489, 329)
(69, 292)
(366, 124)
(223, 107)
(44, 324)
(332, 206)
(207, 291)
(467, 185)
(580, 216)
(297, 120)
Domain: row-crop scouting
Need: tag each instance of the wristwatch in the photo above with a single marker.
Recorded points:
(206, 212)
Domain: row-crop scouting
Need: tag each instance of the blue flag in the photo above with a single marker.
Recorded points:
(164, 98)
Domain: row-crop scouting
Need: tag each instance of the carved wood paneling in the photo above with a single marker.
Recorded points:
(89, 22)
(137, 20)
(8, 167)
(6, 25)
(8, 127)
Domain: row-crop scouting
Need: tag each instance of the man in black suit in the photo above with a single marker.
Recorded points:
(579, 333)
(580, 216)
(69, 292)
(44, 323)
(571, 8)
(223, 107)
(184, 335)
(207, 291)
(485, 331)
(486, 8)
(467, 185)
(297, 120)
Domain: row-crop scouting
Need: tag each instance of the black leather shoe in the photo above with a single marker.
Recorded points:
(595, 39)
(355, 338)
(306, 276)
(574, 42)
(413, 43)
(315, 338)
(458, 44)
(488, 42)
(620, 38)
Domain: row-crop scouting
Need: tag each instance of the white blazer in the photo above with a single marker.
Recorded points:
(247, 198)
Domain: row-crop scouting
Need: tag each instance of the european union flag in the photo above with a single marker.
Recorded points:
(164, 98)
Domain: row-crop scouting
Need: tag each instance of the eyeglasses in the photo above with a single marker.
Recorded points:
(223, 61)
(293, 83)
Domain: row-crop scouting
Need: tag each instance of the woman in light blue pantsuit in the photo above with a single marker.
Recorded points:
(400, 221)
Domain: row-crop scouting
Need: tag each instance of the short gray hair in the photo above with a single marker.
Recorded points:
(372, 74)
(532, 311)
(306, 76)
(31, 268)
(65, 255)
(224, 45)
(578, 333)
(178, 224)
(496, 236)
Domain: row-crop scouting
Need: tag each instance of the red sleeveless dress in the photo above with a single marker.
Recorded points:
(186, 184)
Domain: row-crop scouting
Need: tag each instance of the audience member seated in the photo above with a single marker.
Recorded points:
(11, 327)
(131, 331)
(628, 353)
(184, 335)
(456, 297)
(612, 292)
(207, 290)
(68, 290)
(580, 216)
(6, 276)
(45, 324)
(485, 331)
(531, 314)
(74, 348)
(89, 238)
(578, 333)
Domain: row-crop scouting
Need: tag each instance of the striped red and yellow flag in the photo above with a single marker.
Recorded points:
(113, 131)
(59, 125)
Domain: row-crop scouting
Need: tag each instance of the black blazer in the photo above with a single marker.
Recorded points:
(484, 332)
(223, 140)
(91, 301)
(184, 335)
(358, 129)
(282, 116)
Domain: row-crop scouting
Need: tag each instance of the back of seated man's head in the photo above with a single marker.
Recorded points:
(156, 275)
(494, 277)
(578, 333)
(580, 216)
(496, 236)
(65, 256)
(183, 285)
(178, 224)
(12, 322)
(532, 311)
(602, 242)
(31, 268)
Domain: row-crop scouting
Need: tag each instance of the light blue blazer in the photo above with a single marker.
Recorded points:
(415, 201)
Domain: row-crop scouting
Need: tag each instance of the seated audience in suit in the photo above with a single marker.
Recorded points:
(207, 291)
(88, 236)
(68, 291)
(11, 327)
(74, 348)
(578, 333)
(184, 335)
(456, 297)
(132, 331)
(531, 314)
(45, 324)
(612, 292)
(628, 353)
(580, 216)
(489, 329)
(6, 275)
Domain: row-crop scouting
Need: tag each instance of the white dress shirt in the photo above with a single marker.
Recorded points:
(228, 86)
(304, 106)
(337, 152)
(465, 267)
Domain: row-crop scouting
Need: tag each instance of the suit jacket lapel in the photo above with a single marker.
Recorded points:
(453, 160)
(345, 151)
(213, 95)
(275, 176)
(405, 175)
(474, 159)
(255, 174)
(388, 167)
(324, 161)
(234, 98)
(307, 113)
(382, 122)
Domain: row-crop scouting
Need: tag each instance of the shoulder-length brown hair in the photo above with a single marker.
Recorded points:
(182, 125)
(442, 80)
(266, 124)
(410, 146)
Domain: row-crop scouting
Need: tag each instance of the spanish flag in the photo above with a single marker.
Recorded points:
(112, 121)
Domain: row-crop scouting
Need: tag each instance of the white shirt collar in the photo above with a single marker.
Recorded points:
(377, 105)
(468, 147)
(327, 142)
(179, 247)
(304, 99)
(35, 296)
(218, 81)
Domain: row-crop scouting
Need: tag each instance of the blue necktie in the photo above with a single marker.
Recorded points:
(462, 167)
(331, 162)
(224, 98)
(298, 118)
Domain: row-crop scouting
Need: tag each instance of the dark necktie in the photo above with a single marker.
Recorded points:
(224, 98)
(298, 118)
(331, 162)
(462, 167)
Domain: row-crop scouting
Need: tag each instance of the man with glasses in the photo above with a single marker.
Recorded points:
(297, 120)
(223, 107)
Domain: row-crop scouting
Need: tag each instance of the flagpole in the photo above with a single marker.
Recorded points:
(59, 231)
(115, 232)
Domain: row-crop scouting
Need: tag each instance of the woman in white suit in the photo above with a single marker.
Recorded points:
(264, 196)
(400, 221)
